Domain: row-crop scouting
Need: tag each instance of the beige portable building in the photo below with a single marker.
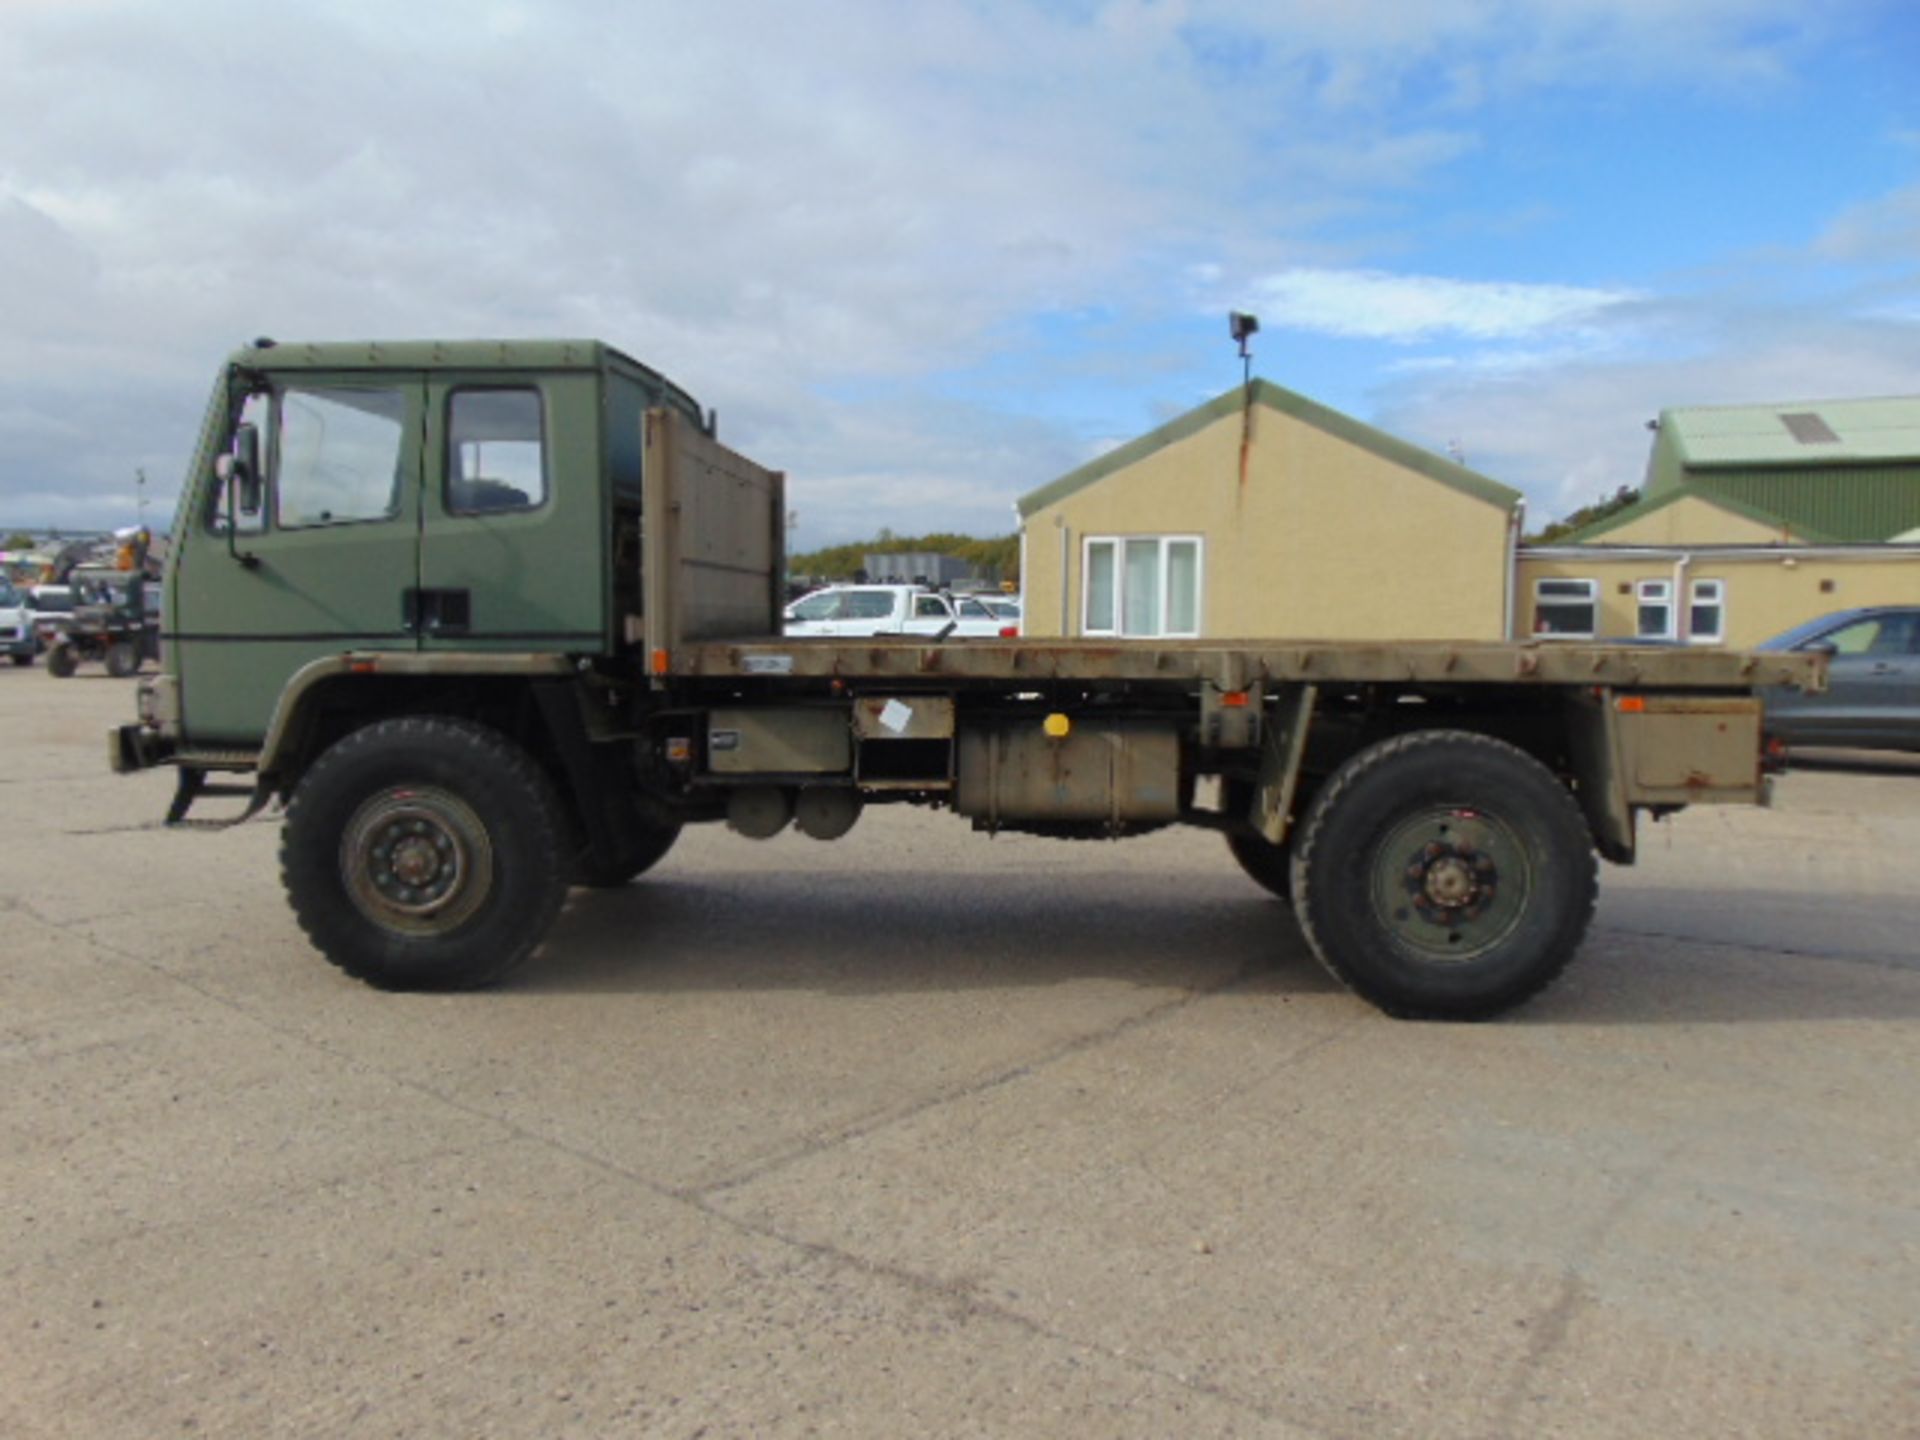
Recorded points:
(1263, 514)
(1755, 518)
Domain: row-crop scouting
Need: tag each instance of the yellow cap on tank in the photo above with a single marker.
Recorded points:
(1057, 726)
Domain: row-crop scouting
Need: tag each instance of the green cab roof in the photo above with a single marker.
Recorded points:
(1287, 402)
(429, 355)
(469, 355)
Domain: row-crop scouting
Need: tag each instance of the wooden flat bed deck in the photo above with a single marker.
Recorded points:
(1236, 664)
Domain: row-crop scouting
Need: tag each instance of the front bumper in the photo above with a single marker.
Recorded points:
(156, 738)
(131, 748)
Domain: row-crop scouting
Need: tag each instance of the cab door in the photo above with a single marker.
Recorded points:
(514, 516)
(325, 565)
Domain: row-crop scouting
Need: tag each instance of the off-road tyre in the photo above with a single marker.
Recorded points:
(1444, 875)
(62, 662)
(592, 872)
(424, 853)
(1267, 865)
(123, 659)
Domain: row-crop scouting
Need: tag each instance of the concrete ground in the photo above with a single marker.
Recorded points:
(925, 1133)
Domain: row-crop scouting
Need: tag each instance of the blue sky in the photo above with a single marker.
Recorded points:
(926, 258)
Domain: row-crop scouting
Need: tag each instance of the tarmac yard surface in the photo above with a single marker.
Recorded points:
(922, 1133)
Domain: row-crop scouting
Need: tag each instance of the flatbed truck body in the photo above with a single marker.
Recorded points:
(492, 619)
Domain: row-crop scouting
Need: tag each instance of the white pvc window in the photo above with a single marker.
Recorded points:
(1566, 608)
(1653, 605)
(1707, 612)
(1141, 585)
(1101, 580)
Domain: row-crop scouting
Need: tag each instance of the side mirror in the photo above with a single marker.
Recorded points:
(1821, 647)
(239, 471)
(245, 468)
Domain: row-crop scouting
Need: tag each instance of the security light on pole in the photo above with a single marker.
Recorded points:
(1243, 327)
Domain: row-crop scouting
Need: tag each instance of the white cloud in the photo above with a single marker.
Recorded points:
(1573, 433)
(1884, 229)
(1377, 305)
(771, 202)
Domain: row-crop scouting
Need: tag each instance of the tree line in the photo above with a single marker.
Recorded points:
(999, 557)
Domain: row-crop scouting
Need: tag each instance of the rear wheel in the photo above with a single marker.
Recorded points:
(1444, 875)
(61, 662)
(424, 854)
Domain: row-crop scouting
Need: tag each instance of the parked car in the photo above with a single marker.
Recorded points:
(843, 610)
(17, 640)
(1872, 699)
(53, 607)
(1006, 609)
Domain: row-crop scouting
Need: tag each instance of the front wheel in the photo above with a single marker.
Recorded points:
(424, 854)
(61, 662)
(1444, 875)
(22, 660)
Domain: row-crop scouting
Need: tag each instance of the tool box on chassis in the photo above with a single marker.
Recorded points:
(491, 619)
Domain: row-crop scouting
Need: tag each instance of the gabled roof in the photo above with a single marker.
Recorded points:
(1287, 402)
(1651, 504)
(1802, 432)
(1846, 469)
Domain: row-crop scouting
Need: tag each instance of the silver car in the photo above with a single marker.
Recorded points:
(1872, 699)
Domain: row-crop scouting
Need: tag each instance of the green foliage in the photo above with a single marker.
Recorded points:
(1586, 515)
(838, 562)
(19, 540)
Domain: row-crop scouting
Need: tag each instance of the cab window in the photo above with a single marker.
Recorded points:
(496, 451)
(337, 455)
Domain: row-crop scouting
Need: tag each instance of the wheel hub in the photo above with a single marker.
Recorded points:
(1448, 883)
(416, 860)
(1451, 884)
(415, 863)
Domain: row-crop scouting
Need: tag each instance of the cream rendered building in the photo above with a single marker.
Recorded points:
(1755, 519)
(1263, 515)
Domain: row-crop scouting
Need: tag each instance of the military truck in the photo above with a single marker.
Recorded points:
(494, 619)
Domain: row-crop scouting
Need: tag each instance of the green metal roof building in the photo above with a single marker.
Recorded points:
(1754, 518)
(1821, 471)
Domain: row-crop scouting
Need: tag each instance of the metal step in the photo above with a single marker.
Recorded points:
(217, 759)
(192, 784)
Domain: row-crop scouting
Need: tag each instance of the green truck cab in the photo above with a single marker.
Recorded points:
(489, 619)
(412, 498)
